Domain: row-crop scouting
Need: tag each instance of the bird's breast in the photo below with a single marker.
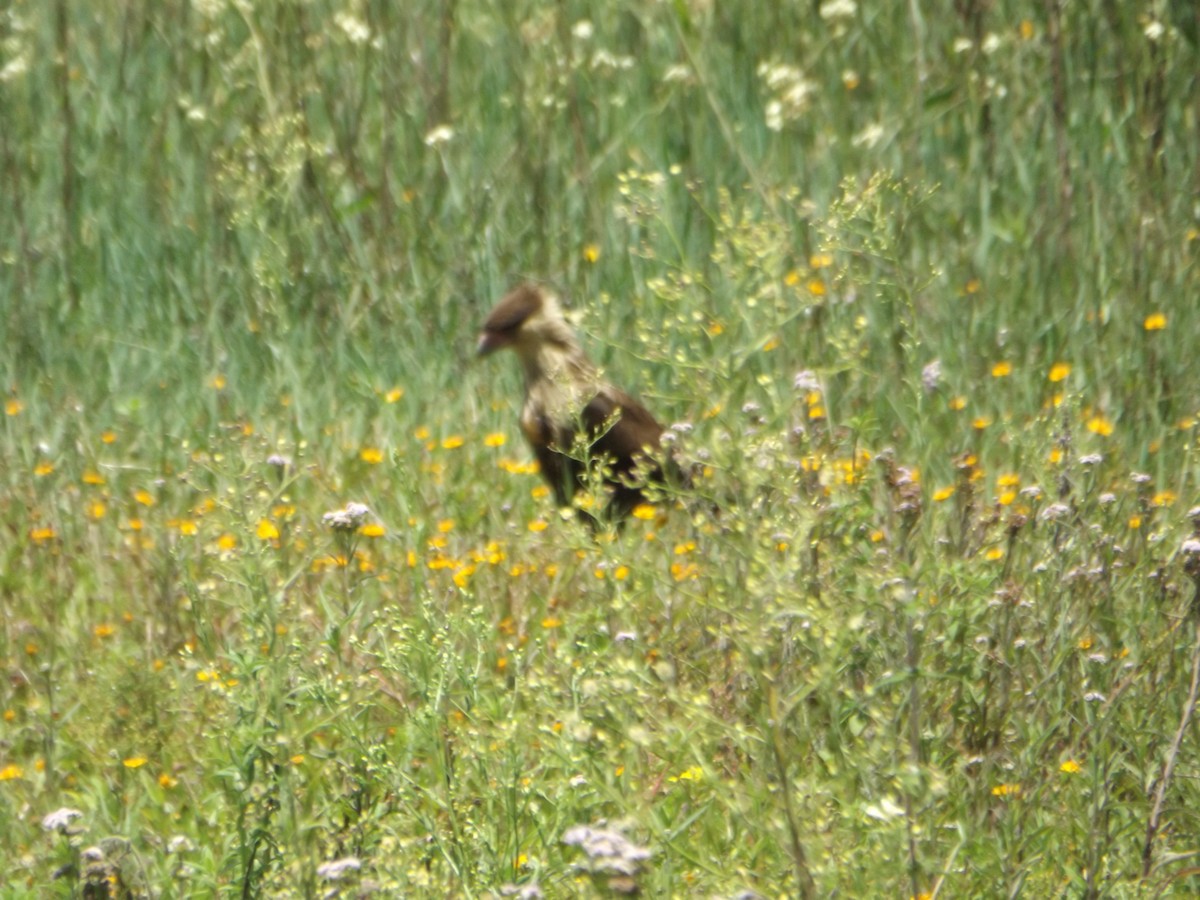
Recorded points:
(550, 416)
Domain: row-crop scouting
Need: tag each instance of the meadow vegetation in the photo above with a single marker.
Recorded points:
(917, 285)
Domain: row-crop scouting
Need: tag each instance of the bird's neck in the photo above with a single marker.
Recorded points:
(557, 363)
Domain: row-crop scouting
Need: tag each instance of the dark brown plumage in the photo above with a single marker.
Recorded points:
(571, 415)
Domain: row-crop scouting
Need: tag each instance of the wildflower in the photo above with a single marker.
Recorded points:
(1005, 790)
(355, 29)
(1100, 425)
(371, 455)
(931, 376)
(1155, 322)
(1058, 372)
(347, 519)
(104, 630)
(60, 820)
(13, 407)
(591, 253)
(11, 772)
(41, 535)
(495, 439)
(278, 461)
(372, 530)
(832, 10)
(582, 30)
(609, 852)
(144, 497)
(529, 891)
(1091, 459)
(1054, 511)
(180, 844)
(43, 468)
(943, 494)
(957, 403)
(439, 136)
(335, 869)
(267, 530)
(1001, 370)
(806, 381)
(133, 762)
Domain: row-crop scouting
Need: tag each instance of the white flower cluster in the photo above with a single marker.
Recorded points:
(347, 519)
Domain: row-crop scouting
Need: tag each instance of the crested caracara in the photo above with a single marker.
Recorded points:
(571, 416)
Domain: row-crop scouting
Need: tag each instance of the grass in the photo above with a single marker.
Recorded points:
(921, 286)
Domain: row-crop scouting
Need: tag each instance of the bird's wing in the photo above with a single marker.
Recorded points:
(622, 427)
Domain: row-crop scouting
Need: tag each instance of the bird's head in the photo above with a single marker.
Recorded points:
(529, 320)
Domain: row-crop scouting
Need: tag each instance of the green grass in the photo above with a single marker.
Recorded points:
(939, 640)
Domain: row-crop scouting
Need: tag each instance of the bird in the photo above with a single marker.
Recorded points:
(574, 419)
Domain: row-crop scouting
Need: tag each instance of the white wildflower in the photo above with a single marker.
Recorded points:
(335, 869)
(14, 68)
(60, 820)
(346, 519)
(438, 136)
(1054, 511)
(806, 381)
(931, 376)
(608, 850)
(833, 10)
(355, 29)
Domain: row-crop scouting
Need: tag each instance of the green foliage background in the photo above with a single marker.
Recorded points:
(937, 641)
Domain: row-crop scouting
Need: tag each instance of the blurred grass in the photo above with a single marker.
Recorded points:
(931, 645)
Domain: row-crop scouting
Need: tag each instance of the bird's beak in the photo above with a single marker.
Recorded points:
(490, 342)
